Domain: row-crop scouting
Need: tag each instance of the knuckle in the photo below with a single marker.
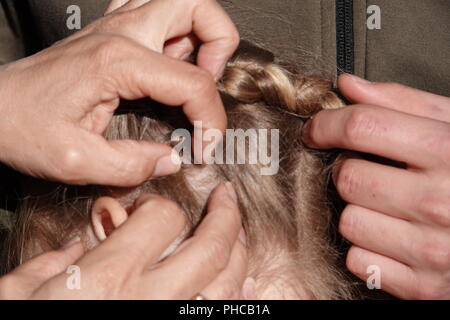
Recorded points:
(435, 209)
(71, 164)
(436, 254)
(203, 82)
(348, 181)
(438, 144)
(361, 124)
(109, 47)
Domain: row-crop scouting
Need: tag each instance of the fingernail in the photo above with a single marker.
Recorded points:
(231, 191)
(306, 134)
(167, 165)
(243, 237)
(71, 243)
(248, 289)
(185, 56)
(359, 80)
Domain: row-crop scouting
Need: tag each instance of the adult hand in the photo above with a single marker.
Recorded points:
(68, 93)
(213, 262)
(397, 219)
(176, 27)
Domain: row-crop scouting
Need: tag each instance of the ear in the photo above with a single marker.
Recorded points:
(107, 215)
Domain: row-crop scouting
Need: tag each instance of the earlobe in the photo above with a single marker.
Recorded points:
(107, 215)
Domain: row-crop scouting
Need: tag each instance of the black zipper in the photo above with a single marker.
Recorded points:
(344, 37)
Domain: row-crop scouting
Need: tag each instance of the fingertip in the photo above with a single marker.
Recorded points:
(231, 191)
(346, 82)
(223, 201)
(249, 289)
(224, 193)
(354, 79)
(167, 165)
(355, 88)
(137, 161)
(306, 133)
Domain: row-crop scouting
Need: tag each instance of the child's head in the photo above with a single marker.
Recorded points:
(286, 215)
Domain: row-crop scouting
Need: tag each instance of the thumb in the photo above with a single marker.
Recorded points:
(35, 272)
(395, 96)
(121, 163)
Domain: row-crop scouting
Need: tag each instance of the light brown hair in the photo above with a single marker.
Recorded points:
(285, 215)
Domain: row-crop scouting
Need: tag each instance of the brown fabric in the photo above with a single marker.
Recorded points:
(413, 45)
(10, 45)
(301, 32)
(51, 16)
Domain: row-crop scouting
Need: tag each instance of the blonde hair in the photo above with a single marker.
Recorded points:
(287, 213)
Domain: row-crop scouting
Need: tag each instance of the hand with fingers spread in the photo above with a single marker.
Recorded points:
(397, 218)
(69, 92)
(127, 264)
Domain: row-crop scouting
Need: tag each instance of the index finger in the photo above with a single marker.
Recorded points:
(204, 256)
(380, 131)
(146, 73)
(395, 96)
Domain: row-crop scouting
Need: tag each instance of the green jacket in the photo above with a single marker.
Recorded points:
(412, 45)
